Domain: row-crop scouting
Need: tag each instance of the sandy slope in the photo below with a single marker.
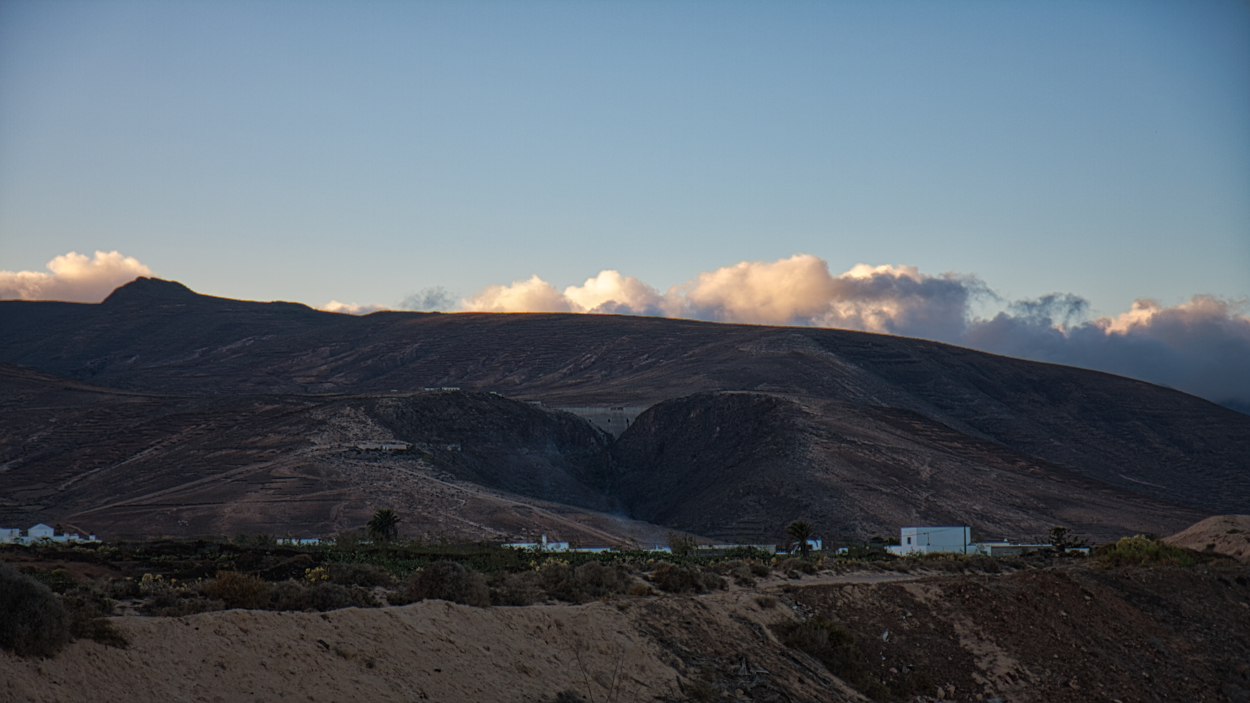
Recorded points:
(632, 649)
(1222, 534)
(431, 650)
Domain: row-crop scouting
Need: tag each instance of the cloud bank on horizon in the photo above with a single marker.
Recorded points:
(73, 277)
(1201, 346)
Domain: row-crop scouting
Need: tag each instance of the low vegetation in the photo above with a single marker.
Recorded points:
(838, 650)
(1141, 550)
(46, 607)
(33, 622)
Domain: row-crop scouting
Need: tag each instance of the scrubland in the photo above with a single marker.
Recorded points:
(201, 620)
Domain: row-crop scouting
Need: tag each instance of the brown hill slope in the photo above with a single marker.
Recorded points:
(157, 336)
(1222, 534)
(479, 466)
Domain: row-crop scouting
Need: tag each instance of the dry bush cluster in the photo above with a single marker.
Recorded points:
(743, 571)
(837, 649)
(552, 580)
(33, 621)
(685, 578)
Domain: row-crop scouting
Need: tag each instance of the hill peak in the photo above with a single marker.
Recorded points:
(150, 290)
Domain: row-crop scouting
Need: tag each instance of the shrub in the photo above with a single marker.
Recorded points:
(685, 579)
(836, 649)
(168, 605)
(33, 621)
(367, 575)
(792, 564)
(749, 553)
(682, 545)
(89, 610)
(320, 596)
(766, 602)
(1141, 550)
(738, 570)
(239, 590)
(446, 580)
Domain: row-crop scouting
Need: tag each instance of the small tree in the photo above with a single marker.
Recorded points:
(800, 531)
(1061, 540)
(682, 545)
(384, 526)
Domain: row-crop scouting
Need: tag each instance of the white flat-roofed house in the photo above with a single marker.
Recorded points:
(38, 533)
(925, 540)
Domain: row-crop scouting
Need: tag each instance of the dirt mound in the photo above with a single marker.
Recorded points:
(1223, 534)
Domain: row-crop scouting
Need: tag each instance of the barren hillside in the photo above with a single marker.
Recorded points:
(223, 415)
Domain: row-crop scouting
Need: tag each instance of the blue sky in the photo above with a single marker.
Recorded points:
(364, 151)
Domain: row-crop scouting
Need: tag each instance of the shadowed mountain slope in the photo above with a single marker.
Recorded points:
(925, 400)
(736, 464)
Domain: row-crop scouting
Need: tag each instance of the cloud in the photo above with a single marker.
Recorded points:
(611, 292)
(434, 298)
(74, 277)
(1201, 347)
(531, 295)
(352, 308)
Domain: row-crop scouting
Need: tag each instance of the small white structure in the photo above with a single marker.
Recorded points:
(40, 533)
(925, 540)
(543, 546)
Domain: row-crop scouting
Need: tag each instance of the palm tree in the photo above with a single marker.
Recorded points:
(384, 525)
(800, 531)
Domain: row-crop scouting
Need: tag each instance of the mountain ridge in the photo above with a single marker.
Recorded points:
(940, 401)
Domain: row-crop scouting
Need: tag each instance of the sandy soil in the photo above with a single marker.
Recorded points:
(633, 649)
(1068, 634)
(1222, 534)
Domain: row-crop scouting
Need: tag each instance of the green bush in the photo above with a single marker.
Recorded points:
(1141, 550)
(33, 621)
(445, 580)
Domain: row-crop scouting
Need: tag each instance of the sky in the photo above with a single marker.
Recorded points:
(906, 167)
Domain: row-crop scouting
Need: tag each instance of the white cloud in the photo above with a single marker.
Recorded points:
(352, 308)
(612, 292)
(1200, 347)
(531, 295)
(74, 277)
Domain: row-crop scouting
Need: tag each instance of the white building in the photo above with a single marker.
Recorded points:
(543, 546)
(38, 533)
(925, 540)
